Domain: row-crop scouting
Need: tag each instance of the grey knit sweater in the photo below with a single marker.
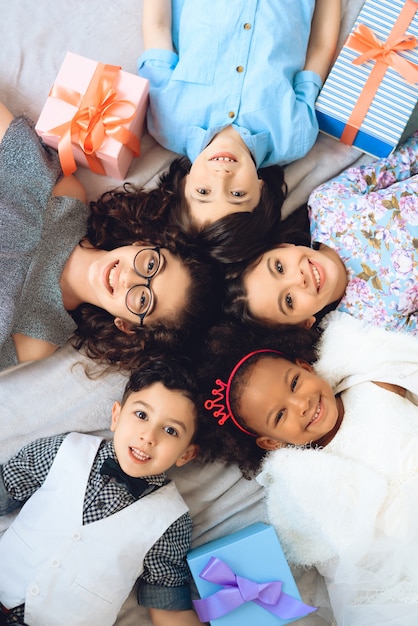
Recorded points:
(37, 234)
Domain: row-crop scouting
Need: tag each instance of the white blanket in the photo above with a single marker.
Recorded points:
(34, 39)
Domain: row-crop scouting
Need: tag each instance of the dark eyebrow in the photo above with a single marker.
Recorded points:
(233, 202)
(179, 424)
(149, 407)
(273, 412)
(145, 404)
(279, 299)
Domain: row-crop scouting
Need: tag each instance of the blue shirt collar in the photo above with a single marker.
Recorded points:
(258, 143)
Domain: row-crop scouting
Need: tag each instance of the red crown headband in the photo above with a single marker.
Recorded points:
(217, 406)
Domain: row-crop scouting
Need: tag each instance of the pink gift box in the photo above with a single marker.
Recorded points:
(94, 116)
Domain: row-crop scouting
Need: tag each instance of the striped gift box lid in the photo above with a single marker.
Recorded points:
(394, 100)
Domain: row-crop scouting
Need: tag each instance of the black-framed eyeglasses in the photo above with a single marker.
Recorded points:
(139, 298)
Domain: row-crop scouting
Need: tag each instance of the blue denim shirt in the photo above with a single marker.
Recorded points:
(238, 63)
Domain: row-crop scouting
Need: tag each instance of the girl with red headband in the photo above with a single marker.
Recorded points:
(341, 467)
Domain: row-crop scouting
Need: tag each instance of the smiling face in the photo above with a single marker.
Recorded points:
(153, 430)
(223, 179)
(290, 284)
(287, 403)
(112, 274)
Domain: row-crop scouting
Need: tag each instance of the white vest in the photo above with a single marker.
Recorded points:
(68, 574)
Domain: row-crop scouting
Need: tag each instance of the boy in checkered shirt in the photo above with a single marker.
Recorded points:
(98, 515)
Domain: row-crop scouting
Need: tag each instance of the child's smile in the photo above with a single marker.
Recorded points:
(287, 402)
(153, 430)
(222, 180)
(139, 455)
(290, 284)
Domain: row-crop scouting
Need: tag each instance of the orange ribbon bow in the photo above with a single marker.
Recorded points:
(364, 40)
(99, 115)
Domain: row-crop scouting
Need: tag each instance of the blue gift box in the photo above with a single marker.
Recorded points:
(252, 553)
(379, 82)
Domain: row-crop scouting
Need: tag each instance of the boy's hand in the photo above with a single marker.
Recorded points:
(160, 617)
(156, 24)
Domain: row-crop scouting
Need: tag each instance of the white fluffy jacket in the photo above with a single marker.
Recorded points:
(352, 350)
(350, 508)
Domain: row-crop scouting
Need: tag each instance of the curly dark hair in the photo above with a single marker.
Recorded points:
(225, 345)
(236, 237)
(174, 371)
(128, 214)
(127, 217)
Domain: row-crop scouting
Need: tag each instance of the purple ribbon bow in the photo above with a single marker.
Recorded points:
(238, 590)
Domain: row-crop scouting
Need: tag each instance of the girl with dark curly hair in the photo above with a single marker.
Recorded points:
(113, 278)
(338, 442)
(234, 237)
(228, 354)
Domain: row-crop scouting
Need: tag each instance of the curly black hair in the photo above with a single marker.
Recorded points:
(225, 345)
(127, 214)
(130, 216)
(173, 370)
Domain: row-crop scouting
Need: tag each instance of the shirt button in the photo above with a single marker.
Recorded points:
(247, 26)
(34, 590)
(231, 114)
(55, 563)
(77, 536)
(239, 69)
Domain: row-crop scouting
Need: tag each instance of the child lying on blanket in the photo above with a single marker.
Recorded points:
(364, 256)
(233, 88)
(112, 277)
(88, 546)
(341, 474)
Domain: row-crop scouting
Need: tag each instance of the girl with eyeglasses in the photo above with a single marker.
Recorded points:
(109, 277)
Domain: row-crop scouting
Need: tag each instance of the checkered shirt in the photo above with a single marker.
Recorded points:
(165, 563)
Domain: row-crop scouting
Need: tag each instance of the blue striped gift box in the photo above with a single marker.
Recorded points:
(394, 100)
